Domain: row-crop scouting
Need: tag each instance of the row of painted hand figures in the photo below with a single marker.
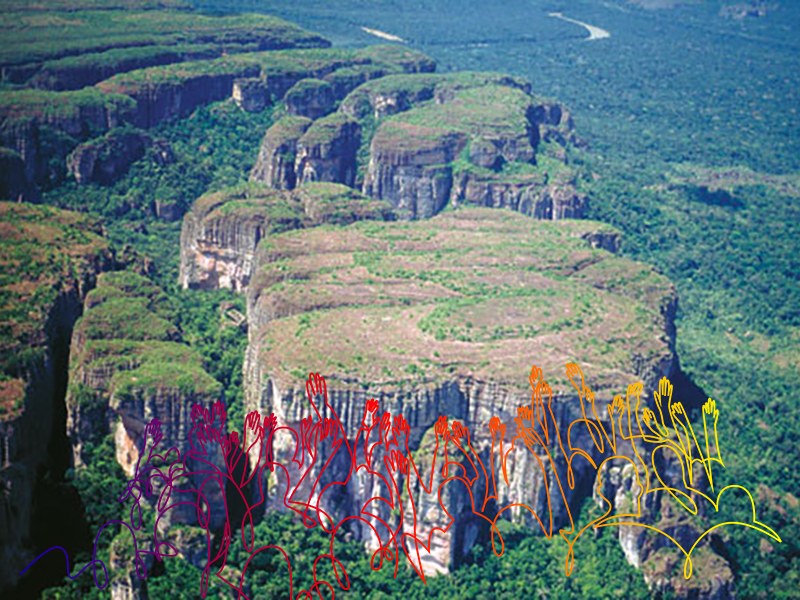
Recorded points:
(322, 439)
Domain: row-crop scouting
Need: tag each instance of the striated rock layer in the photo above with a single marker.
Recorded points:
(146, 97)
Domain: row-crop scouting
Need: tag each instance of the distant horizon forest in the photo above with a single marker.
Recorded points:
(690, 117)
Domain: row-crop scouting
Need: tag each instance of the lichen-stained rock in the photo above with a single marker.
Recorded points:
(50, 260)
(327, 150)
(105, 159)
(410, 315)
(221, 232)
(312, 98)
(129, 366)
(276, 158)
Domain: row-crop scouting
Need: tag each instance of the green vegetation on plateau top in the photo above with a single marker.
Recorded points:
(302, 62)
(128, 328)
(281, 210)
(73, 5)
(46, 106)
(421, 86)
(32, 37)
(380, 304)
(490, 111)
(43, 252)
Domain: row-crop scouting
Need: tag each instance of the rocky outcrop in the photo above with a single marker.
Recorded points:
(176, 92)
(345, 80)
(327, 150)
(29, 119)
(250, 94)
(474, 143)
(221, 232)
(555, 123)
(275, 165)
(34, 352)
(296, 151)
(146, 97)
(311, 98)
(654, 554)
(409, 167)
(412, 321)
(74, 73)
(394, 94)
(93, 48)
(106, 159)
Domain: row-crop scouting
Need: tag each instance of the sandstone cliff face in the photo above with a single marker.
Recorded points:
(296, 150)
(166, 99)
(414, 176)
(397, 93)
(106, 159)
(327, 151)
(79, 115)
(221, 232)
(250, 94)
(355, 305)
(33, 354)
(392, 95)
(251, 79)
(147, 96)
(275, 165)
(531, 195)
(346, 79)
(555, 123)
(72, 74)
(311, 98)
